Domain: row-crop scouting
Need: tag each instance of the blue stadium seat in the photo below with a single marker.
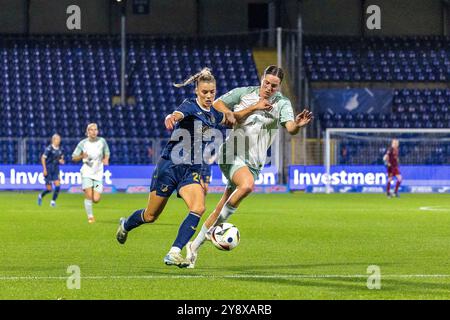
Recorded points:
(65, 82)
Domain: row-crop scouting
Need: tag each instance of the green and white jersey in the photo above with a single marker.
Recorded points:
(93, 165)
(260, 127)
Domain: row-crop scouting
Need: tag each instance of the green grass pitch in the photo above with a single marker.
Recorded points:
(293, 246)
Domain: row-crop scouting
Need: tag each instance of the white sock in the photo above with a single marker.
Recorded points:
(175, 250)
(88, 207)
(201, 237)
(226, 212)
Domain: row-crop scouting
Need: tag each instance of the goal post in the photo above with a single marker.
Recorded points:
(424, 155)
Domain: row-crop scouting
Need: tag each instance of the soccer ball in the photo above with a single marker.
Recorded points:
(225, 236)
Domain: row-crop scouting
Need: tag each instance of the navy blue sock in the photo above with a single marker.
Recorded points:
(135, 220)
(43, 193)
(55, 193)
(187, 230)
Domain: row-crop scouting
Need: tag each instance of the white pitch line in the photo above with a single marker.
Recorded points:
(435, 208)
(236, 276)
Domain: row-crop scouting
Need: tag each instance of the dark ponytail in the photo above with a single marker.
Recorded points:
(275, 71)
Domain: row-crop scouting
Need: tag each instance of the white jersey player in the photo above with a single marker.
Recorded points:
(94, 152)
(259, 111)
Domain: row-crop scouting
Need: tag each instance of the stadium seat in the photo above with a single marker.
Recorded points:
(61, 83)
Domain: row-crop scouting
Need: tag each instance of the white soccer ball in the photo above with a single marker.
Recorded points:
(225, 236)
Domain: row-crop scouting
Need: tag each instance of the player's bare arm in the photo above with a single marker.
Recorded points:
(83, 155)
(220, 106)
(262, 104)
(301, 120)
(386, 160)
(172, 119)
(44, 166)
(106, 160)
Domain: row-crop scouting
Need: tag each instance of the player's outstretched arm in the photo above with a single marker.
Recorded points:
(301, 120)
(262, 104)
(229, 118)
(172, 119)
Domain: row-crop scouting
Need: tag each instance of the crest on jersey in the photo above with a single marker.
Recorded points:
(164, 188)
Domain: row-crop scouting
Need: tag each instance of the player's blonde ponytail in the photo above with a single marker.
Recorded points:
(205, 75)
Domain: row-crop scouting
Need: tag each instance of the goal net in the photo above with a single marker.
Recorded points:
(354, 159)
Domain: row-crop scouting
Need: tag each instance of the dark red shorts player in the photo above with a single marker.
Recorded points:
(391, 160)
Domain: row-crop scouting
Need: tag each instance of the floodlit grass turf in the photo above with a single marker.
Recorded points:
(291, 247)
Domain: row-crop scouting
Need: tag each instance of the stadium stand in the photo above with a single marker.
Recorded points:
(60, 83)
(404, 59)
(412, 108)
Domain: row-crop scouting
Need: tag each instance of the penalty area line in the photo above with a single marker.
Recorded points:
(235, 276)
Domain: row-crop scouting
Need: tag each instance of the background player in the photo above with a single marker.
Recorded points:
(51, 159)
(391, 160)
(259, 111)
(191, 115)
(94, 152)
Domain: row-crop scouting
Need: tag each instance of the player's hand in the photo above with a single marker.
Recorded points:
(105, 162)
(230, 120)
(84, 155)
(303, 118)
(45, 173)
(263, 105)
(170, 122)
(61, 161)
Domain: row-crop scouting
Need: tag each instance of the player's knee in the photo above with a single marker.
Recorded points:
(247, 188)
(96, 199)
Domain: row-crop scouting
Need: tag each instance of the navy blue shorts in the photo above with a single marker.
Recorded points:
(169, 177)
(52, 175)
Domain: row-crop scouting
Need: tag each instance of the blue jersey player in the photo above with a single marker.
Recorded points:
(180, 170)
(51, 159)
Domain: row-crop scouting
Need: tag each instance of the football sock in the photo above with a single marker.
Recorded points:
(55, 193)
(43, 193)
(186, 230)
(396, 186)
(388, 187)
(200, 239)
(174, 250)
(88, 207)
(135, 220)
(225, 213)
